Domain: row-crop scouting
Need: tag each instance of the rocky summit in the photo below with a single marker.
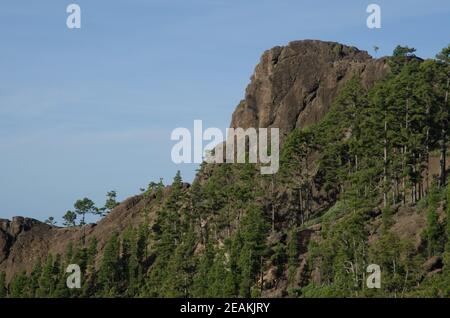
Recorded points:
(295, 85)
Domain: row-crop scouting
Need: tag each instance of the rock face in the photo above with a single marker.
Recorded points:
(12, 232)
(294, 86)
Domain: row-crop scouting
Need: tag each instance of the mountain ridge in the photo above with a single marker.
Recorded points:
(327, 99)
(275, 91)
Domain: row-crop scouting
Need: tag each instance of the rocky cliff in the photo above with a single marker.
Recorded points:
(295, 85)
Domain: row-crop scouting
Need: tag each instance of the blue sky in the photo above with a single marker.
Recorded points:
(86, 111)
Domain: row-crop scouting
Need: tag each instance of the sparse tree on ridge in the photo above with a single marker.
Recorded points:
(111, 203)
(83, 207)
(69, 219)
(50, 221)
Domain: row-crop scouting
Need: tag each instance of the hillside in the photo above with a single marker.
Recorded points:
(362, 181)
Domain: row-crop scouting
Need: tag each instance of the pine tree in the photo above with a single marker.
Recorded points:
(167, 235)
(415, 127)
(378, 122)
(342, 255)
(177, 279)
(3, 289)
(246, 263)
(34, 279)
(50, 221)
(18, 286)
(279, 257)
(433, 229)
(251, 237)
(109, 272)
(218, 277)
(80, 257)
(444, 61)
(168, 219)
(182, 263)
(134, 246)
(292, 254)
(111, 203)
(294, 168)
(401, 97)
(89, 274)
(400, 57)
(447, 233)
(69, 219)
(59, 276)
(46, 280)
(201, 282)
(83, 207)
(125, 254)
(428, 95)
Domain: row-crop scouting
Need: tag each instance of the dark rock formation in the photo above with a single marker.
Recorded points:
(17, 231)
(294, 86)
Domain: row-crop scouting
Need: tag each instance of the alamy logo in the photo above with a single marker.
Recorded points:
(374, 19)
(74, 279)
(374, 279)
(240, 144)
(74, 19)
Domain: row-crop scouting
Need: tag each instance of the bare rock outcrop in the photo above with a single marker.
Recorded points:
(295, 85)
(25, 241)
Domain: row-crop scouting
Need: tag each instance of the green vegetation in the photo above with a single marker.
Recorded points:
(111, 203)
(69, 219)
(2, 285)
